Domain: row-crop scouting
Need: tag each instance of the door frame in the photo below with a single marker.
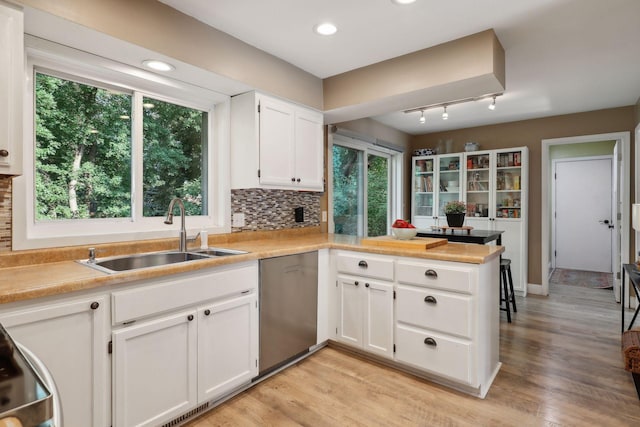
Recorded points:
(623, 139)
(614, 249)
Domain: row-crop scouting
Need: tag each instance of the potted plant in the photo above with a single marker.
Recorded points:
(455, 211)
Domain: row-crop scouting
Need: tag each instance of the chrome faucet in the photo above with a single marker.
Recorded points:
(169, 220)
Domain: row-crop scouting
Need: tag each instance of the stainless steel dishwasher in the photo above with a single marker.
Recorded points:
(288, 308)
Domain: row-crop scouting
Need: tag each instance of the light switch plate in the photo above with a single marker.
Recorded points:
(237, 220)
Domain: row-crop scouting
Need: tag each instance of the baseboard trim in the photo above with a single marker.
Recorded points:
(535, 289)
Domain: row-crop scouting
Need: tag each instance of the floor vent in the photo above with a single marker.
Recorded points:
(182, 418)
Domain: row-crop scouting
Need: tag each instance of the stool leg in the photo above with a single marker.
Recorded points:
(513, 294)
(636, 381)
(505, 288)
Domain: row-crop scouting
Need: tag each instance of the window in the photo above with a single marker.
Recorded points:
(366, 187)
(112, 148)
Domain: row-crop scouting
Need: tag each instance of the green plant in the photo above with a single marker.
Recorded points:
(455, 207)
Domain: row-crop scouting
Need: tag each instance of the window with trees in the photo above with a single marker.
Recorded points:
(107, 146)
(84, 152)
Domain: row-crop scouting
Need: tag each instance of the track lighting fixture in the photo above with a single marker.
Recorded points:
(444, 105)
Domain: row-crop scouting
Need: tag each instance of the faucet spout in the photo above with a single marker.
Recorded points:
(169, 220)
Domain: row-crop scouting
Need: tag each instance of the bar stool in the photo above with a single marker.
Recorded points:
(506, 288)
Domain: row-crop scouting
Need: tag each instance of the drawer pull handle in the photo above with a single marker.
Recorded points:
(207, 312)
(4, 153)
(431, 273)
(363, 264)
(430, 341)
(94, 305)
(190, 317)
(366, 285)
(356, 283)
(431, 300)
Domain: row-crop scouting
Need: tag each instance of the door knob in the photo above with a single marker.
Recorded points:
(606, 221)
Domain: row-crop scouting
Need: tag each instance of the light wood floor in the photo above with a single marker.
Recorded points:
(561, 367)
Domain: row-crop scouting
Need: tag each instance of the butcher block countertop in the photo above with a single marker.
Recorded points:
(37, 273)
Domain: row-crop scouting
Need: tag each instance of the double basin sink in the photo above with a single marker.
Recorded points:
(155, 259)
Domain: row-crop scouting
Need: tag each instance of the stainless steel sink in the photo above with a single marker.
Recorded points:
(219, 252)
(134, 262)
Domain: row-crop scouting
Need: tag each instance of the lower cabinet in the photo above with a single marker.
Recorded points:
(366, 315)
(439, 318)
(70, 336)
(168, 364)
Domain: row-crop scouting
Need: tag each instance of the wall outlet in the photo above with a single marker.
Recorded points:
(237, 220)
(324, 216)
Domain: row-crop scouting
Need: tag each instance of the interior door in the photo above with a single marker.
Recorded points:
(583, 220)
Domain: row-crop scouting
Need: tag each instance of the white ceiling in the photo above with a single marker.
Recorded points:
(562, 56)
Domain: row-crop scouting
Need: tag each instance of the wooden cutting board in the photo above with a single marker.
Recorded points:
(415, 243)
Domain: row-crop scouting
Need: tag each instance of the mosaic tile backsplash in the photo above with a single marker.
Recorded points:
(5, 213)
(274, 209)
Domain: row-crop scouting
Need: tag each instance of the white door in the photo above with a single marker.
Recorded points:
(277, 143)
(227, 346)
(583, 217)
(378, 322)
(309, 150)
(154, 370)
(71, 339)
(350, 326)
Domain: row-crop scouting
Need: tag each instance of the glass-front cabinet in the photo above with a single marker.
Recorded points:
(436, 181)
(478, 184)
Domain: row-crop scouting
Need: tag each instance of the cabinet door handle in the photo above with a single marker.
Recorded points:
(4, 153)
(431, 300)
(207, 312)
(293, 179)
(94, 305)
(431, 273)
(190, 317)
(363, 264)
(366, 285)
(298, 179)
(356, 283)
(430, 341)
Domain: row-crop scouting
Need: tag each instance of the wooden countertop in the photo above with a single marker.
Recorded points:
(23, 278)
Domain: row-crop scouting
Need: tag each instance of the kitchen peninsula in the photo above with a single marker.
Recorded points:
(432, 313)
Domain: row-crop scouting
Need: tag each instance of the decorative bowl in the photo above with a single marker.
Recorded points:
(404, 233)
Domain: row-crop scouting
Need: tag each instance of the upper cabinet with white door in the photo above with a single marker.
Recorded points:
(275, 144)
(11, 84)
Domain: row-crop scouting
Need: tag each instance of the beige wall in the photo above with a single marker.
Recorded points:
(530, 133)
(155, 26)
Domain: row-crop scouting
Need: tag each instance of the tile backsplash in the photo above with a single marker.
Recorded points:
(274, 209)
(5, 213)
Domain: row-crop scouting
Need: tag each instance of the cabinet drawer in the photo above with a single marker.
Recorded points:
(427, 308)
(169, 293)
(365, 265)
(435, 276)
(446, 356)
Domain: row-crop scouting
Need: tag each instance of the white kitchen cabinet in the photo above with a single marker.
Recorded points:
(70, 336)
(11, 88)
(365, 306)
(436, 181)
(155, 370)
(275, 144)
(227, 345)
(496, 193)
(183, 340)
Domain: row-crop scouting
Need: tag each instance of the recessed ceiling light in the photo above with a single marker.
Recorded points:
(403, 2)
(158, 65)
(325, 29)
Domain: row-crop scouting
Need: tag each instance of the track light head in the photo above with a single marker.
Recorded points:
(445, 115)
(422, 118)
(492, 106)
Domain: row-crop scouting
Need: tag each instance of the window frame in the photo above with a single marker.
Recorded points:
(64, 62)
